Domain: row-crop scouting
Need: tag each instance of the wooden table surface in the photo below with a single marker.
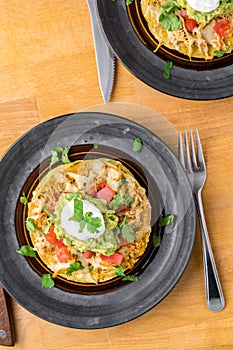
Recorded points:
(48, 68)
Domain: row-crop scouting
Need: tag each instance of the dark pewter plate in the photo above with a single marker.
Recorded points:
(133, 44)
(156, 168)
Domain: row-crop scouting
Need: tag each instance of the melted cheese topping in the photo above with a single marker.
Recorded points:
(73, 227)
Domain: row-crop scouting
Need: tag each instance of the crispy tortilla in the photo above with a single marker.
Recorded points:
(84, 176)
(202, 42)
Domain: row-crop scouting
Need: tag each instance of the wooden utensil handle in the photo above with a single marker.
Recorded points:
(6, 321)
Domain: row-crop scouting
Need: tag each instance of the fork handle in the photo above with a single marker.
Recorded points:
(214, 295)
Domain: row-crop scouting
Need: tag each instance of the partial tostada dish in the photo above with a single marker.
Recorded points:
(198, 29)
(89, 221)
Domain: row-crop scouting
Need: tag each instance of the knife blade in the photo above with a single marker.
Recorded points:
(7, 336)
(105, 58)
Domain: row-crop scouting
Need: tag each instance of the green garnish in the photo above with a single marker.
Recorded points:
(166, 220)
(128, 2)
(47, 281)
(23, 199)
(131, 278)
(127, 233)
(170, 22)
(120, 273)
(137, 145)
(73, 195)
(168, 18)
(30, 225)
(95, 145)
(60, 153)
(78, 211)
(74, 267)
(168, 68)
(156, 240)
(64, 157)
(121, 199)
(27, 250)
(222, 53)
(124, 181)
(92, 223)
(91, 268)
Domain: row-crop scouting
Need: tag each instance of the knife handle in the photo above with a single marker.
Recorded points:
(7, 336)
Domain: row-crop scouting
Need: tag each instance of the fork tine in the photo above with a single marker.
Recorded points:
(188, 159)
(180, 149)
(194, 159)
(199, 151)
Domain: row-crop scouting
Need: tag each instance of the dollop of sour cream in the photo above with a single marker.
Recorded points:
(73, 227)
(204, 5)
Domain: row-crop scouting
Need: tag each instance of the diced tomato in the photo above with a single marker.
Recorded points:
(51, 236)
(63, 254)
(87, 254)
(223, 28)
(190, 24)
(115, 258)
(105, 193)
(60, 243)
(100, 185)
(183, 14)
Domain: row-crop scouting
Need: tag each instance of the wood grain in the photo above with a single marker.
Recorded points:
(47, 68)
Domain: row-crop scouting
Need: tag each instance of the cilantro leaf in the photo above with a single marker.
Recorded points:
(168, 68)
(60, 153)
(137, 145)
(222, 53)
(170, 6)
(170, 21)
(64, 157)
(128, 2)
(74, 267)
(121, 199)
(131, 278)
(30, 225)
(78, 211)
(156, 240)
(23, 199)
(127, 233)
(93, 223)
(27, 250)
(47, 281)
(166, 220)
(119, 271)
(95, 145)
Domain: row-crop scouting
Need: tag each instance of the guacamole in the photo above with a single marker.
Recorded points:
(106, 244)
(224, 8)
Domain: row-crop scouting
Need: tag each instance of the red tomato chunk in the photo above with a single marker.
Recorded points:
(223, 28)
(190, 24)
(88, 254)
(105, 193)
(115, 258)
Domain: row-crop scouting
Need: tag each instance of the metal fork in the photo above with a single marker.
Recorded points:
(196, 171)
